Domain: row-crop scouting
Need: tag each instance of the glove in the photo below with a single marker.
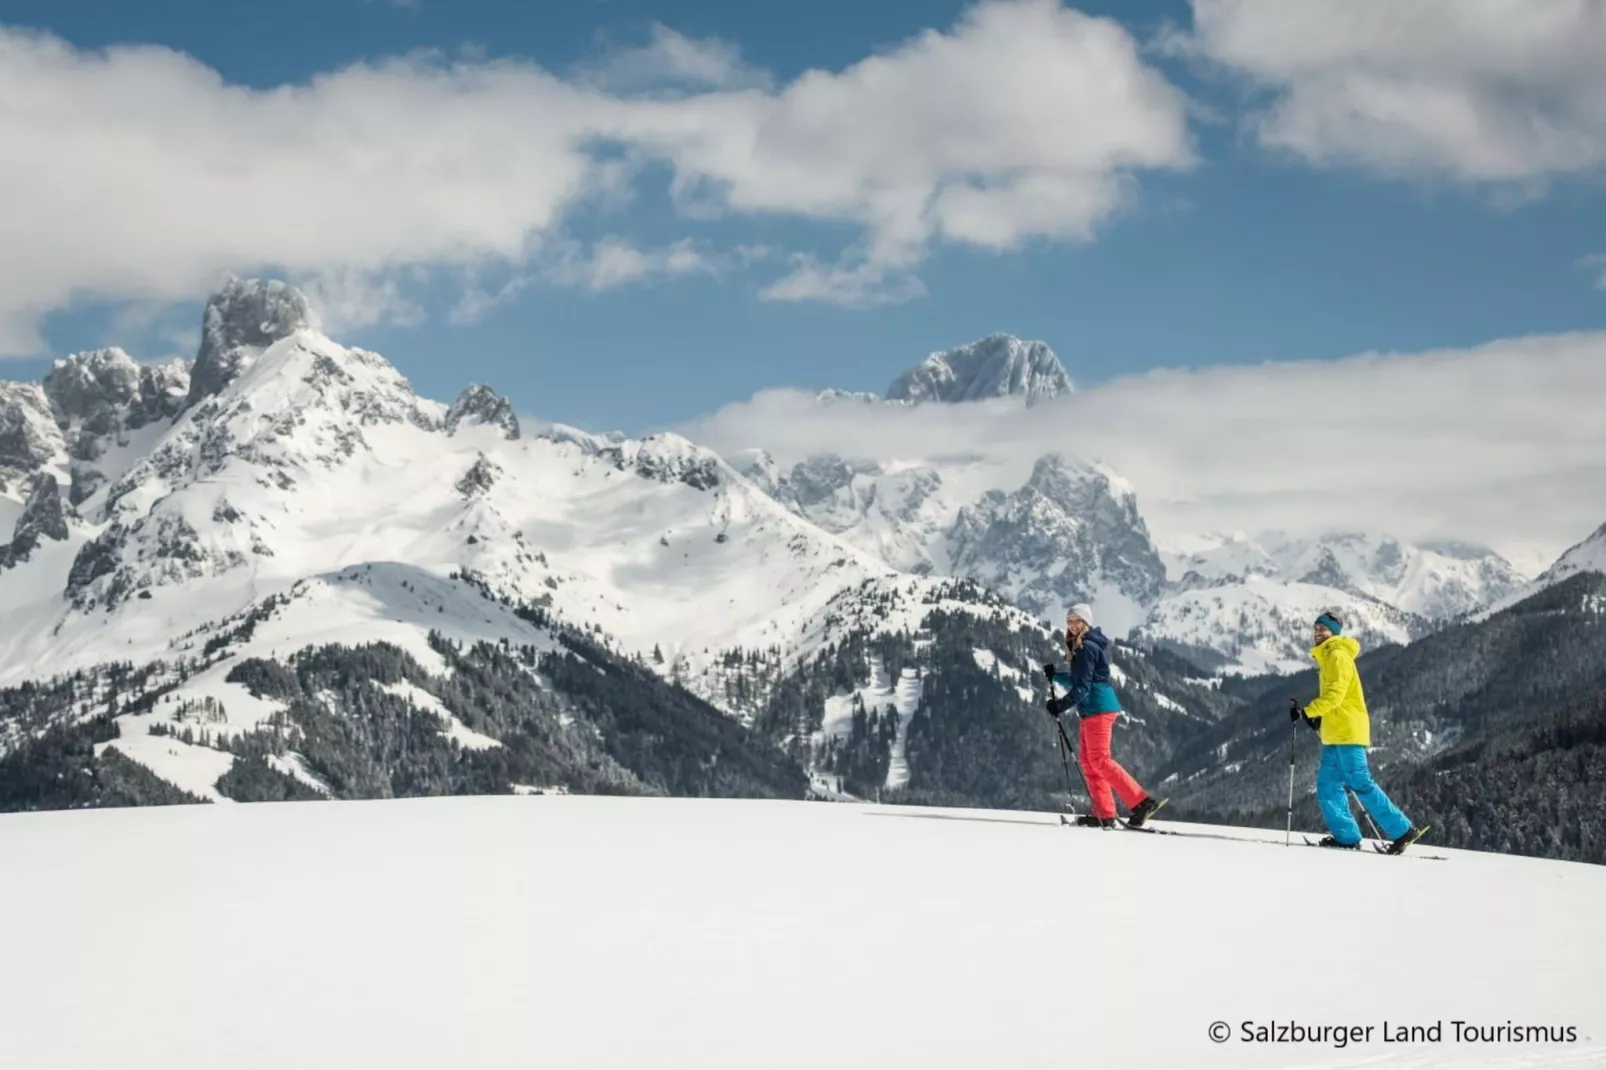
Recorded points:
(1048, 670)
(1315, 723)
(1054, 706)
(1294, 712)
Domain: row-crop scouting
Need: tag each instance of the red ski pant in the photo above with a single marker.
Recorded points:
(1102, 771)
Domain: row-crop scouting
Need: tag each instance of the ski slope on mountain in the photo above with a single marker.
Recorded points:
(607, 931)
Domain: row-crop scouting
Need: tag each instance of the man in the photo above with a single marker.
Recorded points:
(1090, 695)
(1339, 714)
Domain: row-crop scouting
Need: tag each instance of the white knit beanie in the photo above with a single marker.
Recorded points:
(1083, 612)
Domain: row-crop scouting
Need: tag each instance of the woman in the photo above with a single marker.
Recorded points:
(1088, 691)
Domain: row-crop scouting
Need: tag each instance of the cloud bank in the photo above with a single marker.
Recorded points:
(1504, 92)
(146, 176)
(1501, 444)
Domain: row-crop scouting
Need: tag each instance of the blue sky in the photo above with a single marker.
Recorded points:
(1321, 239)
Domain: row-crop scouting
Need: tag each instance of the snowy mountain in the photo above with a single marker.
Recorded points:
(1244, 603)
(1587, 555)
(1264, 625)
(286, 491)
(1438, 581)
(480, 932)
(290, 457)
(997, 366)
(1072, 532)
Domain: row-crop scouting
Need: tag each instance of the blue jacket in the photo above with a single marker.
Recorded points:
(1087, 685)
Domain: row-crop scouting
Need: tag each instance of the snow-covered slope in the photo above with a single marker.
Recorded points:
(1264, 625)
(598, 931)
(296, 468)
(1250, 599)
(1587, 555)
(294, 457)
(1438, 581)
(1072, 532)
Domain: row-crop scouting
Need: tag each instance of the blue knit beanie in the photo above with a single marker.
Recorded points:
(1331, 623)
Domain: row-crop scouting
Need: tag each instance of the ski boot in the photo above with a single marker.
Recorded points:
(1328, 841)
(1089, 821)
(1143, 811)
(1410, 836)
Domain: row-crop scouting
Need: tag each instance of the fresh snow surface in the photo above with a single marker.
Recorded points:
(571, 931)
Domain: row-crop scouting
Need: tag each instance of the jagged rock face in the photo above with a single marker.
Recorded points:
(1327, 572)
(667, 459)
(299, 412)
(87, 388)
(42, 518)
(1069, 533)
(29, 437)
(999, 365)
(821, 478)
(479, 479)
(98, 396)
(482, 405)
(241, 319)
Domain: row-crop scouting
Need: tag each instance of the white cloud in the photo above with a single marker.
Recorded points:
(1509, 92)
(615, 262)
(1501, 444)
(1595, 262)
(1016, 124)
(853, 285)
(348, 298)
(145, 175)
(671, 61)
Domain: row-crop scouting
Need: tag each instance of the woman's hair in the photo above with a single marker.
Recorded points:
(1074, 643)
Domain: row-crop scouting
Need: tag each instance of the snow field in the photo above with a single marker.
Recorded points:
(588, 932)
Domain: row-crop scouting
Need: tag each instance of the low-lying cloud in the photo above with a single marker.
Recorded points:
(1502, 444)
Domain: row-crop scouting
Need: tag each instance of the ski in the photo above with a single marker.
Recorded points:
(1119, 823)
(1419, 834)
(1379, 848)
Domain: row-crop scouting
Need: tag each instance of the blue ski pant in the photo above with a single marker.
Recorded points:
(1344, 766)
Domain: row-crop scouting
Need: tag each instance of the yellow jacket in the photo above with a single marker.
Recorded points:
(1341, 704)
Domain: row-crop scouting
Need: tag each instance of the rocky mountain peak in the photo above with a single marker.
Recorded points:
(84, 384)
(240, 320)
(42, 518)
(29, 437)
(999, 365)
(482, 405)
(1071, 533)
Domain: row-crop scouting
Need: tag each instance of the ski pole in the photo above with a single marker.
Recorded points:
(1288, 837)
(1365, 813)
(1067, 749)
